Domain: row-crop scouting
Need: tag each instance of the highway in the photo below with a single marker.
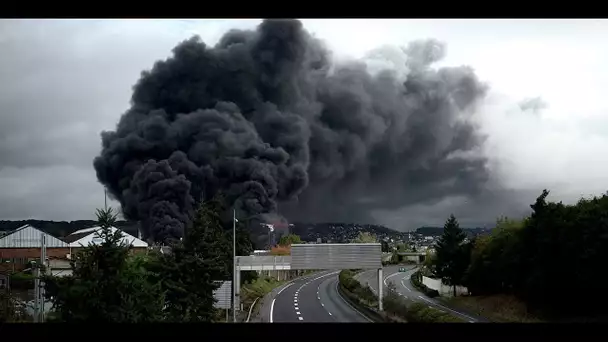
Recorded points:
(404, 287)
(312, 299)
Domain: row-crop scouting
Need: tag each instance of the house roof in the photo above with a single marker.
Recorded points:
(87, 236)
(28, 236)
(76, 236)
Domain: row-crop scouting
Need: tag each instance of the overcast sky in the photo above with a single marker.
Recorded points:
(63, 82)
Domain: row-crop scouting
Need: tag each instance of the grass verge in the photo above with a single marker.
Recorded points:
(496, 308)
(396, 308)
(258, 288)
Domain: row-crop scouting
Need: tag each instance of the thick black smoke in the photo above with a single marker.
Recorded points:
(266, 117)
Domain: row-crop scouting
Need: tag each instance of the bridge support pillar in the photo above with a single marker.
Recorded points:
(237, 289)
(380, 289)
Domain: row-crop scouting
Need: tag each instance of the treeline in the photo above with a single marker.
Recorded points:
(553, 259)
(437, 231)
(109, 283)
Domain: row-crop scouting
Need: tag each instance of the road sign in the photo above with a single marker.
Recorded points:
(223, 295)
(338, 256)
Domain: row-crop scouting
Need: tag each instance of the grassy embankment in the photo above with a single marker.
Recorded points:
(396, 308)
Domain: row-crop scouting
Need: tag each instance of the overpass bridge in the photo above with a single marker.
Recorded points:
(417, 257)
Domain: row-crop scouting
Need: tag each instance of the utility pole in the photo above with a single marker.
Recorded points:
(105, 199)
(38, 286)
(234, 304)
(36, 295)
(43, 264)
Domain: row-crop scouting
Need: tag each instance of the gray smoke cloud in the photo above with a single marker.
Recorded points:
(269, 119)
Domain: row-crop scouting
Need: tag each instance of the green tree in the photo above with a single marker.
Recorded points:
(289, 240)
(364, 237)
(106, 285)
(10, 309)
(189, 274)
(496, 260)
(451, 260)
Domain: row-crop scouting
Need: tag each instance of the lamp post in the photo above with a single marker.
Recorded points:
(235, 278)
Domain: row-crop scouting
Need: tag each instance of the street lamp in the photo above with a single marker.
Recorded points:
(234, 221)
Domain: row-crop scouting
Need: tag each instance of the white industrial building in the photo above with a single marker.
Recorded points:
(84, 237)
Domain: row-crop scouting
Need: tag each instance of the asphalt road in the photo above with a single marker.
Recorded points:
(404, 287)
(312, 299)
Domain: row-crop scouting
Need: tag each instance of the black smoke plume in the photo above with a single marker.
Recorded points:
(269, 119)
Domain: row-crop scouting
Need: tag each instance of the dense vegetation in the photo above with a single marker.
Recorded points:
(547, 260)
(111, 284)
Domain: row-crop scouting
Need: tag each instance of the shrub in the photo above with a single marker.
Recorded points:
(348, 282)
(393, 304)
(365, 293)
(22, 281)
(430, 292)
(420, 313)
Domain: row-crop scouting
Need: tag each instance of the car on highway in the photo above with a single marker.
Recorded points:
(402, 269)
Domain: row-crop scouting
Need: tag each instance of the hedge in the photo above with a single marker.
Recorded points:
(22, 281)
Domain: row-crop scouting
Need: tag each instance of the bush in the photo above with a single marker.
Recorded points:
(420, 313)
(394, 304)
(348, 282)
(22, 281)
(365, 293)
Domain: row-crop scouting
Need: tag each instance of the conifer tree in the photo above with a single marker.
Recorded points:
(451, 260)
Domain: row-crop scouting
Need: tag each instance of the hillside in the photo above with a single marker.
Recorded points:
(436, 231)
(335, 232)
(342, 232)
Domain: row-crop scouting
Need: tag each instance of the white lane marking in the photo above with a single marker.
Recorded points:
(389, 276)
(300, 318)
(350, 306)
(471, 319)
(272, 309)
(402, 283)
(275, 298)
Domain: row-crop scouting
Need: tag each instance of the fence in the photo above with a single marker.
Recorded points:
(444, 290)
